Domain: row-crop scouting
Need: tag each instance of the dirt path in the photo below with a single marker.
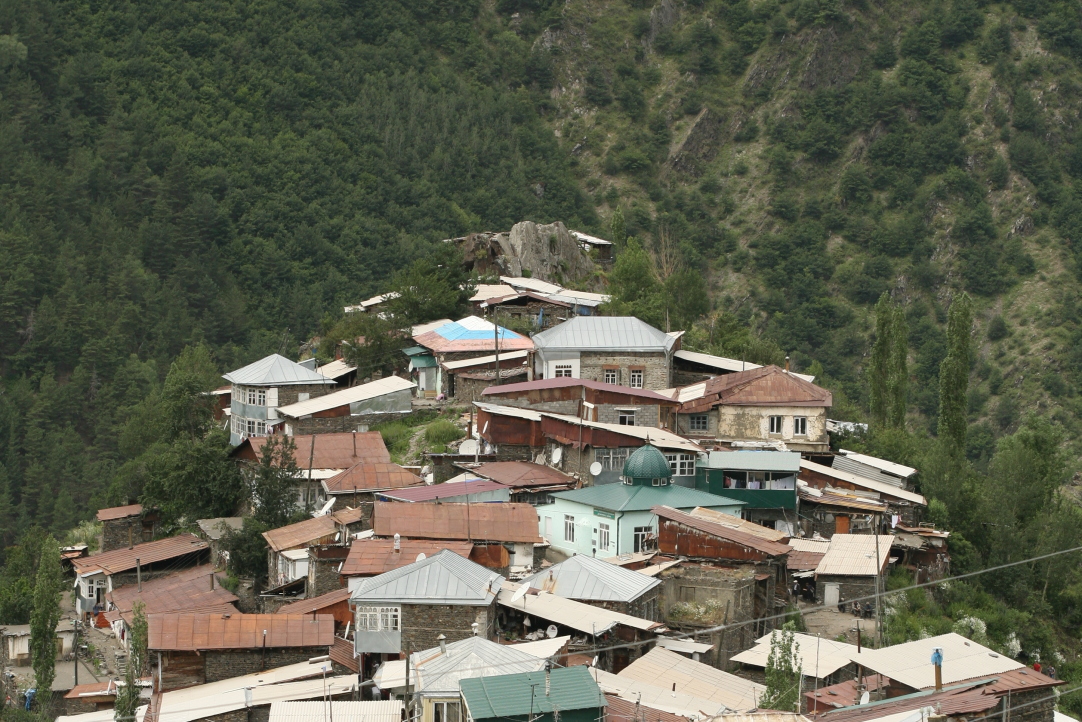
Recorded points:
(831, 623)
(413, 455)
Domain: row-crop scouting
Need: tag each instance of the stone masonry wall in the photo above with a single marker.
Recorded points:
(322, 575)
(655, 376)
(849, 588)
(339, 424)
(115, 533)
(423, 623)
(645, 414)
(726, 596)
(645, 607)
(223, 665)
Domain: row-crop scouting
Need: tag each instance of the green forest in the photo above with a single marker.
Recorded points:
(889, 193)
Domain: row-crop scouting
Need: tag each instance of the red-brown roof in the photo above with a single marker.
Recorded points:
(475, 522)
(122, 560)
(845, 694)
(371, 557)
(342, 653)
(94, 689)
(332, 451)
(620, 710)
(563, 382)
(198, 632)
(371, 477)
(188, 591)
(764, 386)
(735, 536)
(119, 512)
(307, 606)
(962, 700)
(523, 473)
(310, 531)
(799, 561)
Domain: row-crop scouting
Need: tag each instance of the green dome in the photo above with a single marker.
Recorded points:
(646, 463)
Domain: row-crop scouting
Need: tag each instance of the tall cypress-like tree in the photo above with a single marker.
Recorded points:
(898, 383)
(879, 369)
(617, 228)
(127, 697)
(45, 617)
(954, 374)
(783, 672)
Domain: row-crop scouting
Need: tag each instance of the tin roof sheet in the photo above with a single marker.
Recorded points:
(483, 360)
(354, 394)
(543, 648)
(502, 522)
(798, 561)
(722, 531)
(855, 555)
(339, 710)
(216, 528)
(486, 291)
(447, 490)
(523, 474)
(314, 604)
(508, 695)
(963, 659)
(754, 460)
(844, 463)
(621, 497)
(888, 489)
(765, 386)
(379, 476)
(441, 672)
(900, 470)
(310, 530)
(664, 668)
(471, 334)
(122, 560)
(570, 613)
(622, 710)
(657, 697)
(189, 590)
(494, 392)
(198, 632)
(218, 698)
(962, 699)
(274, 370)
(590, 579)
(734, 522)
(684, 645)
(587, 238)
(818, 657)
(370, 557)
(120, 512)
(344, 653)
(531, 284)
(512, 411)
(336, 369)
(660, 438)
(730, 365)
(604, 333)
(839, 497)
(332, 451)
(809, 544)
(444, 578)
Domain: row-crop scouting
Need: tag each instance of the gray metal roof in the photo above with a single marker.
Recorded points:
(844, 463)
(438, 672)
(604, 333)
(443, 578)
(275, 370)
(586, 578)
(341, 710)
(753, 461)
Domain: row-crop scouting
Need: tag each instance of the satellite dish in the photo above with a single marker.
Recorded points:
(520, 592)
(865, 697)
(552, 631)
(557, 454)
(595, 468)
(420, 556)
(593, 663)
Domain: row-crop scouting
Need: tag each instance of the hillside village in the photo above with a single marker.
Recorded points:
(620, 529)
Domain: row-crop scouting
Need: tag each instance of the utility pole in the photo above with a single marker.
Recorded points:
(878, 574)
(75, 649)
(496, 338)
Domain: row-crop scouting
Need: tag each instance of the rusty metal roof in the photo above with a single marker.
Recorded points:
(120, 512)
(621, 710)
(799, 561)
(449, 490)
(122, 560)
(838, 497)
(523, 473)
(307, 606)
(736, 536)
(765, 386)
(380, 476)
(198, 632)
(333, 451)
(855, 555)
(479, 522)
(370, 557)
(310, 530)
(565, 382)
(342, 652)
(189, 591)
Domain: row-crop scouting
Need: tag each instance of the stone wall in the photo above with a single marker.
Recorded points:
(848, 587)
(645, 607)
(339, 424)
(323, 568)
(423, 623)
(121, 533)
(234, 663)
(750, 423)
(656, 367)
(645, 414)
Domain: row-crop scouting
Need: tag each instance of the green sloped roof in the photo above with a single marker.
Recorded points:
(647, 462)
(622, 497)
(508, 695)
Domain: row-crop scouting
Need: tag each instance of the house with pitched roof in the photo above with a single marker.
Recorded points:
(466, 338)
(567, 694)
(288, 546)
(372, 557)
(350, 409)
(122, 526)
(600, 584)
(261, 388)
(767, 407)
(591, 400)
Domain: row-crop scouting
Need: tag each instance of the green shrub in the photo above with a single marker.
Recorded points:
(997, 328)
(443, 432)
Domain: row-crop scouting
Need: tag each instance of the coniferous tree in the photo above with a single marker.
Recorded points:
(783, 672)
(45, 617)
(954, 375)
(127, 697)
(899, 369)
(879, 370)
(618, 228)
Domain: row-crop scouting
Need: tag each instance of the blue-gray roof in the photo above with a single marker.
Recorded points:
(275, 370)
(754, 461)
(621, 497)
(590, 579)
(439, 671)
(443, 578)
(604, 333)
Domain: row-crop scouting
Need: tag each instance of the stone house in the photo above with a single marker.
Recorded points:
(597, 583)
(619, 350)
(908, 506)
(360, 485)
(214, 530)
(261, 388)
(192, 649)
(372, 557)
(849, 571)
(441, 597)
(334, 603)
(767, 407)
(466, 338)
(350, 409)
(124, 526)
(590, 400)
(468, 378)
(289, 544)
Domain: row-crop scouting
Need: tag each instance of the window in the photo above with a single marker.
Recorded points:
(612, 376)
(562, 371)
(800, 426)
(611, 459)
(447, 711)
(378, 619)
(569, 528)
(635, 378)
(256, 427)
(775, 424)
(681, 464)
(643, 535)
(603, 536)
(625, 417)
(257, 397)
(698, 422)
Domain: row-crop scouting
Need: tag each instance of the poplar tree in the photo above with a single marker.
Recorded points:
(45, 616)
(898, 383)
(127, 697)
(954, 374)
(783, 672)
(617, 228)
(879, 370)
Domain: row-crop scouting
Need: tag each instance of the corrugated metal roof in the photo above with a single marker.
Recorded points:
(838, 497)
(734, 522)
(523, 474)
(332, 451)
(736, 536)
(314, 604)
(818, 657)
(658, 437)
(486, 291)
(622, 710)
(798, 561)
(684, 645)
(444, 578)
(509, 695)
(371, 477)
(604, 333)
(439, 672)
(564, 382)
(854, 555)
(543, 648)
(448, 490)
(810, 544)
(122, 560)
(900, 470)
(471, 334)
(198, 632)
(664, 668)
(621, 497)
(731, 365)
(512, 411)
(765, 386)
(570, 613)
(531, 284)
(888, 489)
(120, 512)
(852, 466)
(275, 370)
(310, 530)
(215, 528)
(370, 557)
(502, 522)
(483, 360)
(753, 460)
(964, 699)
(362, 392)
(589, 579)
(189, 590)
(679, 703)
(908, 663)
(338, 710)
(587, 238)
(207, 701)
(345, 654)
(335, 369)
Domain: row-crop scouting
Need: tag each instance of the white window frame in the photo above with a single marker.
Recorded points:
(569, 528)
(256, 397)
(800, 426)
(625, 417)
(631, 378)
(681, 464)
(775, 424)
(698, 422)
(639, 535)
(613, 373)
(255, 427)
(563, 368)
(379, 619)
(603, 536)
(563, 371)
(612, 459)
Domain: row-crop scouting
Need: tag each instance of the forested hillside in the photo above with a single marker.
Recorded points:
(230, 174)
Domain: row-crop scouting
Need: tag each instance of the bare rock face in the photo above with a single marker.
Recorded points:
(547, 252)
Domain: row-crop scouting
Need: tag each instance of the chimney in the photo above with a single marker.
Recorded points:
(442, 639)
(548, 678)
(139, 574)
(786, 364)
(937, 661)
(354, 443)
(130, 543)
(397, 543)
(212, 581)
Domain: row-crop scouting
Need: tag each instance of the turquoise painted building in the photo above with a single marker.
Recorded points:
(612, 519)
